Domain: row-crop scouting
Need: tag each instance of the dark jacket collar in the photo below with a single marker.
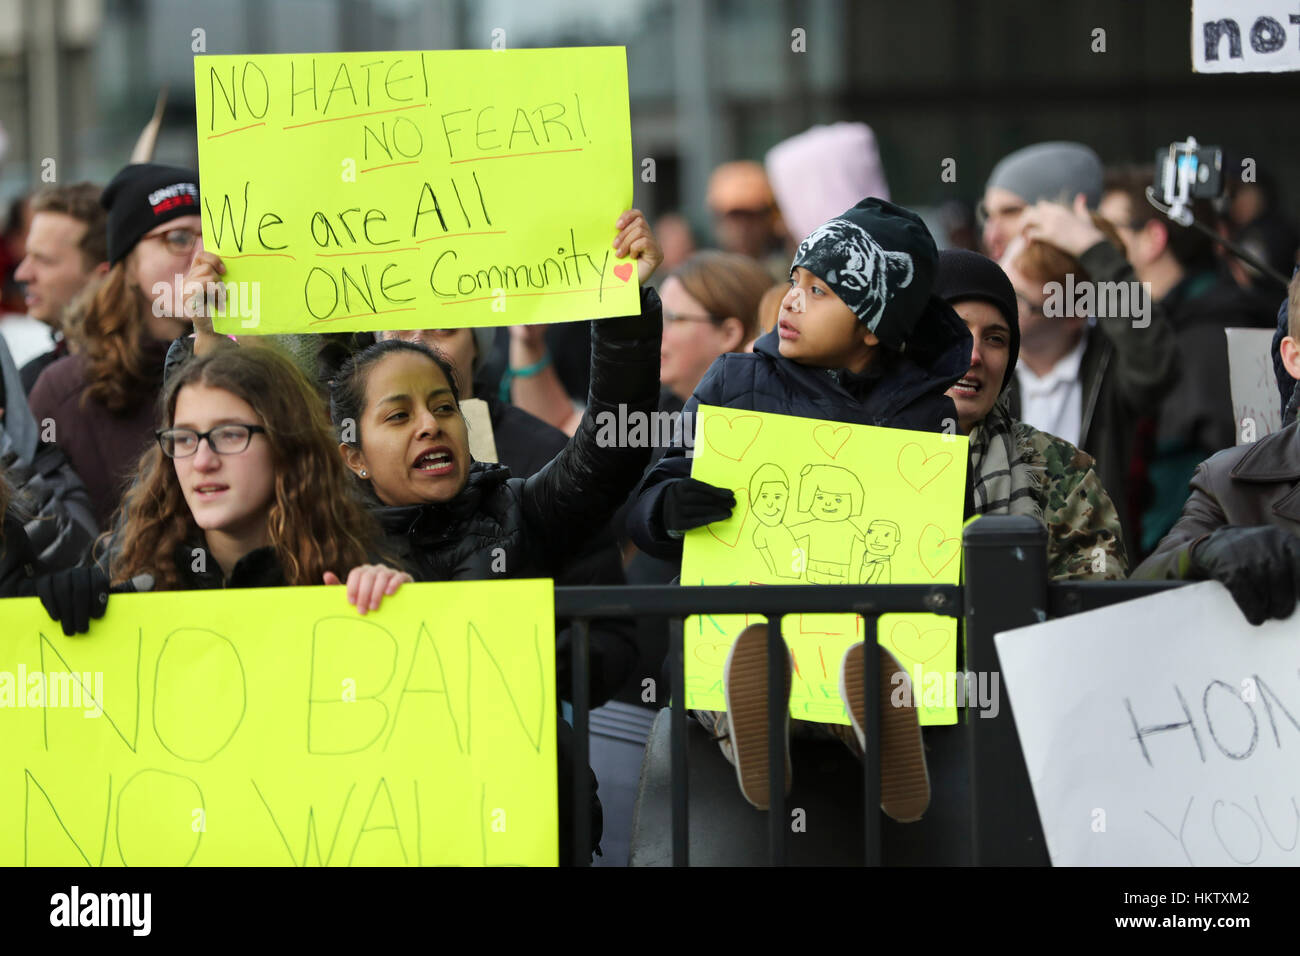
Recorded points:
(1273, 458)
(1190, 286)
(433, 520)
(934, 357)
(260, 568)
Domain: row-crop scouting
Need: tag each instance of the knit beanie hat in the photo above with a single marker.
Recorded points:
(1056, 171)
(879, 259)
(143, 196)
(962, 275)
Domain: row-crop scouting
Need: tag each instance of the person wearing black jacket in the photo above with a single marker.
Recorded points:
(1194, 419)
(450, 518)
(861, 338)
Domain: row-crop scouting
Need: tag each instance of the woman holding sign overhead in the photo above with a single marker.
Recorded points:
(449, 518)
(396, 405)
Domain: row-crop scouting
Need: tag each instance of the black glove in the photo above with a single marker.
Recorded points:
(73, 597)
(1260, 566)
(688, 504)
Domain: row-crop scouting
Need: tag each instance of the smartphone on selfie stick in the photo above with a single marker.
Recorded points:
(1187, 171)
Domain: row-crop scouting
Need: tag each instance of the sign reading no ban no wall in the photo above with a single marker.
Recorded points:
(278, 727)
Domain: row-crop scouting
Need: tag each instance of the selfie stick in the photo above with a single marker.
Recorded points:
(1177, 183)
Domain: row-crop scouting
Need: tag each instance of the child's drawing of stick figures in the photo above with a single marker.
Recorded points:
(769, 495)
(883, 539)
(831, 495)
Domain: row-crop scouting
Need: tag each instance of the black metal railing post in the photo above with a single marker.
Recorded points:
(673, 602)
(778, 706)
(1005, 568)
(872, 766)
(678, 744)
(582, 742)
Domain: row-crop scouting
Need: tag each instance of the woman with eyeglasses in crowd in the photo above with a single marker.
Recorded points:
(101, 398)
(243, 487)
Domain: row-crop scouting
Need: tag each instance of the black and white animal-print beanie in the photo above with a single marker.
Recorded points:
(879, 259)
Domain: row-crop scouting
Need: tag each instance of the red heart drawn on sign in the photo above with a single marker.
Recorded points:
(738, 517)
(732, 437)
(707, 652)
(918, 470)
(624, 271)
(913, 643)
(831, 439)
(935, 551)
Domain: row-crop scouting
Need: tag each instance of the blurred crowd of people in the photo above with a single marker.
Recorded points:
(133, 437)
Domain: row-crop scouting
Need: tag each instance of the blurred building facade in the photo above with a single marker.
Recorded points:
(710, 80)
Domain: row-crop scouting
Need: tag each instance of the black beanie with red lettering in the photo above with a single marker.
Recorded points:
(143, 196)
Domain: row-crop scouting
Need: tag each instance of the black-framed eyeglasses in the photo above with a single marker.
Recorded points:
(223, 439)
(178, 241)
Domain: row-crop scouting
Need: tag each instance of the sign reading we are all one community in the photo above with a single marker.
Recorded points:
(367, 191)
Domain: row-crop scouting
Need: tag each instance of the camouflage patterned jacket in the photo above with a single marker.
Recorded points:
(1083, 531)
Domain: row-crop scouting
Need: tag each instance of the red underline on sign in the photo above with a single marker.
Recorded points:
(483, 298)
(371, 169)
(366, 252)
(261, 255)
(335, 119)
(540, 152)
(360, 315)
(239, 130)
(455, 235)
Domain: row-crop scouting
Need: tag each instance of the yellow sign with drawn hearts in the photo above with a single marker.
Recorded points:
(827, 503)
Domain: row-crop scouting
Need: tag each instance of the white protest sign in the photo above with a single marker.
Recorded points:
(1161, 732)
(478, 418)
(1245, 36)
(1256, 404)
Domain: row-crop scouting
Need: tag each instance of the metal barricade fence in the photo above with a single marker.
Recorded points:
(1005, 586)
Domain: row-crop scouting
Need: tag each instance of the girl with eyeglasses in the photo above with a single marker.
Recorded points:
(101, 397)
(243, 487)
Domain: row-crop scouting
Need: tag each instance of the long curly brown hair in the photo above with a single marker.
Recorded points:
(316, 522)
(109, 330)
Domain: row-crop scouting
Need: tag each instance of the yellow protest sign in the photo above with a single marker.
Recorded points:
(279, 727)
(822, 502)
(405, 190)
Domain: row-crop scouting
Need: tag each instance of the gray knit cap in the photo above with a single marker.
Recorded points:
(1055, 171)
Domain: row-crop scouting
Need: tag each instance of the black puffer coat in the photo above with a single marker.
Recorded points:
(901, 391)
(504, 527)
(18, 563)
